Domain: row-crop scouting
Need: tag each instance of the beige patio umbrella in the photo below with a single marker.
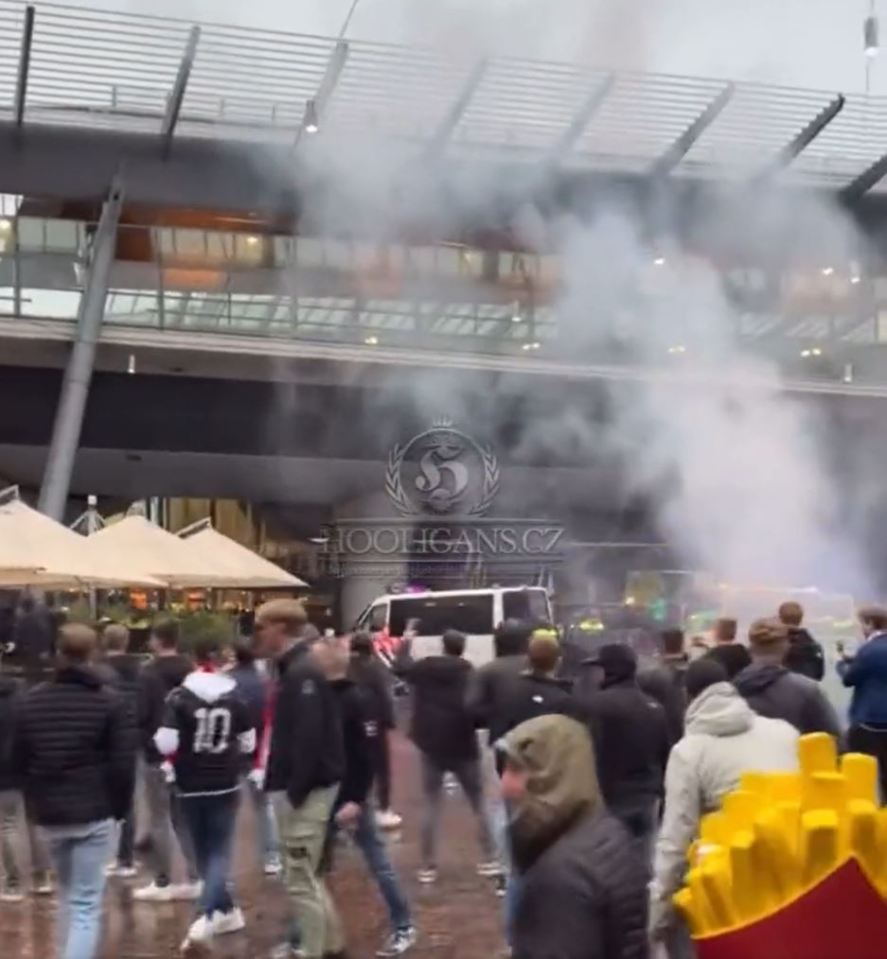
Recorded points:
(37, 551)
(137, 540)
(239, 566)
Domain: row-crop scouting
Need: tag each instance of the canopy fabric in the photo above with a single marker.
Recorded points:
(241, 567)
(136, 539)
(37, 551)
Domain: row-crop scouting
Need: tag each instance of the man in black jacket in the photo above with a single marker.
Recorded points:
(353, 809)
(773, 691)
(124, 669)
(74, 748)
(443, 730)
(166, 671)
(305, 765)
(538, 691)
(12, 818)
(665, 681)
(582, 884)
(631, 741)
(369, 672)
(732, 655)
(804, 654)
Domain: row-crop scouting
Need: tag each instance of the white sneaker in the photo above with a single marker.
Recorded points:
(225, 922)
(490, 869)
(12, 895)
(388, 819)
(153, 893)
(187, 891)
(126, 872)
(426, 877)
(43, 885)
(398, 943)
(200, 934)
(273, 868)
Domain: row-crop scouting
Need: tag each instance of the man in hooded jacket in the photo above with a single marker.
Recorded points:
(724, 737)
(773, 691)
(582, 883)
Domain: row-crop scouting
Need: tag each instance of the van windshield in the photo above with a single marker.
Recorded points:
(434, 615)
(527, 605)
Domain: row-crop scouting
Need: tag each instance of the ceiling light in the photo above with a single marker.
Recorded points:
(805, 353)
(659, 261)
(131, 363)
(252, 240)
(372, 341)
(816, 351)
(5, 225)
(677, 349)
(870, 36)
(310, 123)
(531, 346)
(828, 270)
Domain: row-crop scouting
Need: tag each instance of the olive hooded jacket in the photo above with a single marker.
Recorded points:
(582, 881)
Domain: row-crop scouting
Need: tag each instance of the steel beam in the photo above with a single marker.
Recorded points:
(447, 126)
(805, 137)
(332, 74)
(684, 143)
(869, 178)
(78, 373)
(24, 65)
(571, 136)
(174, 104)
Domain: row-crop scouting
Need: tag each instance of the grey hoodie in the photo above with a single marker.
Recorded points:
(724, 738)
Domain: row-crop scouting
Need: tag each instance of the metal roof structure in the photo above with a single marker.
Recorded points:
(69, 66)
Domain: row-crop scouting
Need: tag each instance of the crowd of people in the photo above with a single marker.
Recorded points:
(587, 792)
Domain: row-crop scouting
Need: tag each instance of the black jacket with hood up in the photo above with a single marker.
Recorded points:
(307, 749)
(74, 749)
(442, 726)
(156, 681)
(583, 885)
(776, 693)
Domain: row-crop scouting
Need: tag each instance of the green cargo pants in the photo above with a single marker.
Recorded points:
(302, 836)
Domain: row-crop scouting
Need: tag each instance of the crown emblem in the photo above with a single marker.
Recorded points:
(443, 422)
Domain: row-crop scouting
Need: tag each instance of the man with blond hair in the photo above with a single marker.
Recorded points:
(773, 691)
(304, 763)
(75, 748)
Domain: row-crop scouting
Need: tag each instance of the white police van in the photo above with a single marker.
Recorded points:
(474, 612)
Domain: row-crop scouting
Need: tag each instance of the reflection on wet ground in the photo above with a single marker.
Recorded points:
(458, 918)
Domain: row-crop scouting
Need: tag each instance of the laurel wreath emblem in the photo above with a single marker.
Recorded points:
(397, 494)
(491, 481)
(394, 486)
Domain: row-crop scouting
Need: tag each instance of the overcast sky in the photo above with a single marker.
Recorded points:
(815, 43)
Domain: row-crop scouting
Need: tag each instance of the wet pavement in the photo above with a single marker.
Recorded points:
(458, 917)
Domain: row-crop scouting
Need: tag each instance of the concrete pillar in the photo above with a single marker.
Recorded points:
(78, 373)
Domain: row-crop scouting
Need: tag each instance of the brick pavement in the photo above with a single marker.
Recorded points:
(458, 918)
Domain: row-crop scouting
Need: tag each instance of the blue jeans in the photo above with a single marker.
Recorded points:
(371, 844)
(266, 825)
(80, 854)
(210, 821)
